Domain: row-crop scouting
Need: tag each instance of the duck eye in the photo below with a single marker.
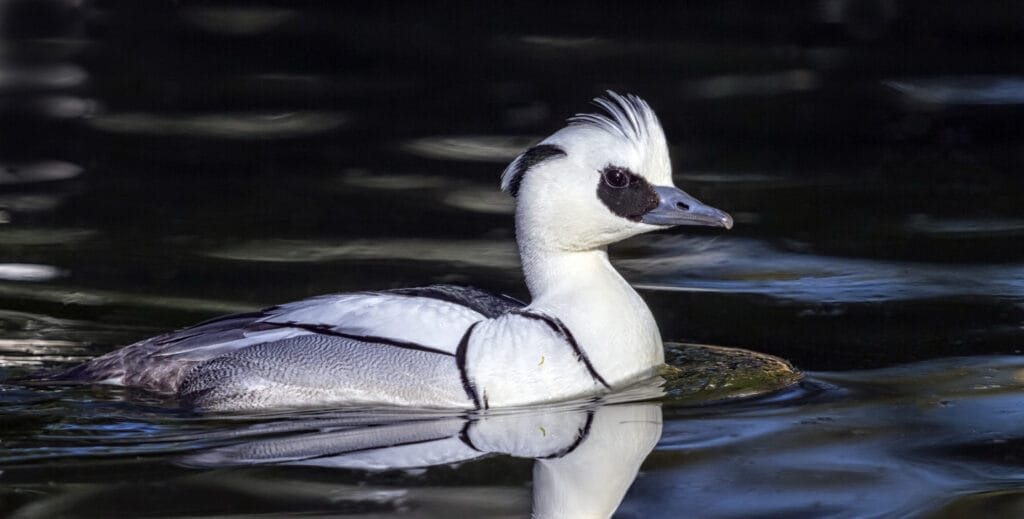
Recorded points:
(616, 177)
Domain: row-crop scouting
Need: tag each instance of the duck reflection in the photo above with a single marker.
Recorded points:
(586, 456)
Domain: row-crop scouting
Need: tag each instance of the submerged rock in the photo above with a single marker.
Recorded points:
(700, 374)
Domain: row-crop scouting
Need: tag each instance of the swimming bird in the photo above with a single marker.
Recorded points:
(603, 178)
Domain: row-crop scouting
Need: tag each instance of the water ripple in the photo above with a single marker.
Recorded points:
(242, 125)
(483, 253)
(962, 90)
(749, 266)
(29, 272)
(237, 20)
(475, 148)
(35, 172)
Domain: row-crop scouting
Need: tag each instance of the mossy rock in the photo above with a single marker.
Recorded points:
(699, 374)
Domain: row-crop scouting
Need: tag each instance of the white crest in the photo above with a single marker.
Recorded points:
(627, 116)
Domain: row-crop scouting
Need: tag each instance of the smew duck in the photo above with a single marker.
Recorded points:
(603, 178)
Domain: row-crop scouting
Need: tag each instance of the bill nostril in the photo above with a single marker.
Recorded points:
(683, 206)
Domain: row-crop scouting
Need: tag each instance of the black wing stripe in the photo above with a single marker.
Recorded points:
(326, 330)
(460, 361)
(560, 328)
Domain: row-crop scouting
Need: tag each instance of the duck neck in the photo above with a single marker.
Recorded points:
(608, 319)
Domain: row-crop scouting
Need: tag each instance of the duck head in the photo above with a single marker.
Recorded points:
(601, 179)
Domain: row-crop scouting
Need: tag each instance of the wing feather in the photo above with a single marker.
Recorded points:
(432, 319)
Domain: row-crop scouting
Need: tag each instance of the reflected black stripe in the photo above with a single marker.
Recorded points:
(560, 328)
(580, 436)
(464, 436)
(460, 361)
(325, 330)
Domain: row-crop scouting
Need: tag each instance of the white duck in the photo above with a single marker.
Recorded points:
(601, 179)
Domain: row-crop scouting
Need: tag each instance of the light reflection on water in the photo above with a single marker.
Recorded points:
(769, 84)
(255, 125)
(962, 90)
(481, 253)
(955, 228)
(485, 148)
(28, 272)
(40, 236)
(33, 172)
(237, 20)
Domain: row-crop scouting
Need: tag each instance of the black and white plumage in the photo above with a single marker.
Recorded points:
(603, 178)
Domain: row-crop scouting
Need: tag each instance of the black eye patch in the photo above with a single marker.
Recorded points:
(625, 193)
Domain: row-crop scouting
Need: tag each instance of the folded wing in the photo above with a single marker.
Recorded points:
(428, 320)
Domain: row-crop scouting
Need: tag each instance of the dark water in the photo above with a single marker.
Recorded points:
(163, 162)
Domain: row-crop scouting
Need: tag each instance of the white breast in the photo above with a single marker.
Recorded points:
(519, 359)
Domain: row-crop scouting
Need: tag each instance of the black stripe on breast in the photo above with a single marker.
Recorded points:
(325, 330)
(560, 328)
(460, 362)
